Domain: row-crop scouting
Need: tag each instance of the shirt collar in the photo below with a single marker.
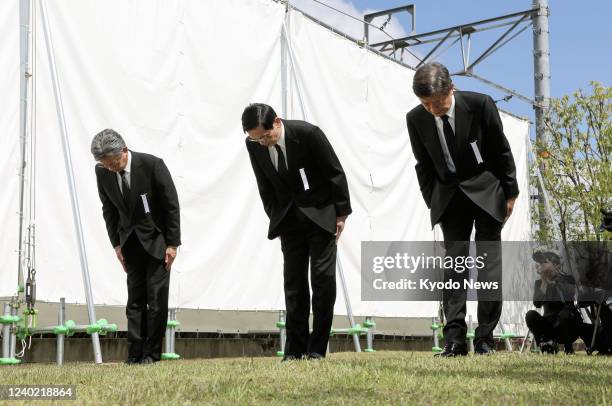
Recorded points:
(281, 138)
(128, 166)
(451, 110)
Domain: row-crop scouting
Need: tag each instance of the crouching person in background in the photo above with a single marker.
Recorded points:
(560, 322)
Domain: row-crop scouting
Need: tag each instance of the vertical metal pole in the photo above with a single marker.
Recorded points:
(284, 71)
(285, 114)
(6, 334)
(13, 337)
(541, 73)
(24, 75)
(168, 343)
(71, 184)
(369, 335)
(282, 330)
(292, 65)
(347, 301)
(470, 332)
(173, 332)
(61, 319)
(506, 339)
(436, 341)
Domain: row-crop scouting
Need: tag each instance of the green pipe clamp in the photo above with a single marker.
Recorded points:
(357, 329)
(102, 327)
(369, 324)
(9, 319)
(9, 361)
(173, 323)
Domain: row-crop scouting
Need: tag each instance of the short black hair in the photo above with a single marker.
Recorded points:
(543, 256)
(431, 79)
(256, 114)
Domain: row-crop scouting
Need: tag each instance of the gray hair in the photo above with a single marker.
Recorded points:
(431, 79)
(106, 143)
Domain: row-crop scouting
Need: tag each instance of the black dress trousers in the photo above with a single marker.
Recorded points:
(302, 241)
(457, 222)
(148, 284)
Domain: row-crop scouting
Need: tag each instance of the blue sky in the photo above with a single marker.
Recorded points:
(580, 41)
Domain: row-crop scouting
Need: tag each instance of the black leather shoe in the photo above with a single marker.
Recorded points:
(607, 353)
(452, 350)
(288, 358)
(549, 347)
(315, 356)
(483, 349)
(132, 361)
(147, 360)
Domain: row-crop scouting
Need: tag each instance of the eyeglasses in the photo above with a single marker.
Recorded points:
(266, 134)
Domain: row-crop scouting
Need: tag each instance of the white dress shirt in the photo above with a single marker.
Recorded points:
(281, 144)
(440, 126)
(128, 169)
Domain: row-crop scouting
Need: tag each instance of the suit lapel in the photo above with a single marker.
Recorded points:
(114, 189)
(463, 121)
(263, 155)
(135, 177)
(431, 139)
(291, 146)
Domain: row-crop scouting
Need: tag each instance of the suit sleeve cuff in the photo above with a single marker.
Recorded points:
(511, 192)
(343, 210)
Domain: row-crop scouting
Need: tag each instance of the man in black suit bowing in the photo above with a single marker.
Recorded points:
(467, 176)
(305, 194)
(141, 210)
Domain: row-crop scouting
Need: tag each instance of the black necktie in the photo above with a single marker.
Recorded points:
(282, 164)
(125, 188)
(449, 136)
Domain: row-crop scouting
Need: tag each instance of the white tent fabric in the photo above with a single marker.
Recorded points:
(173, 78)
(9, 145)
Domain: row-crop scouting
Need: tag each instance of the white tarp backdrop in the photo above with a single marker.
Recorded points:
(9, 144)
(173, 79)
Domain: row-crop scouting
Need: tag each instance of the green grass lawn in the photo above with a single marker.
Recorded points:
(378, 378)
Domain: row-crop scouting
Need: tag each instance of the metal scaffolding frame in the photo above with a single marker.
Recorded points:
(517, 22)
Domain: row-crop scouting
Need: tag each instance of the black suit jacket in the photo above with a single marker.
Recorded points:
(158, 228)
(557, 297)
(307, 149)
(488, 184)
